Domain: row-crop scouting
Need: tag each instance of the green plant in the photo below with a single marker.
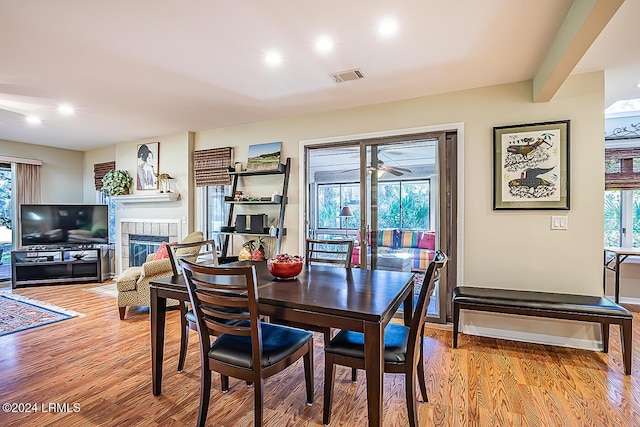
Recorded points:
(116, 182)
(255, 244)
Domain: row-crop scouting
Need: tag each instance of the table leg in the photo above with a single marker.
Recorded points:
(617, 290)
(374, 366)
(157, 313)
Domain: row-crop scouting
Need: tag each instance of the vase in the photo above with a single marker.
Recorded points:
(245, 254)
(258, 254)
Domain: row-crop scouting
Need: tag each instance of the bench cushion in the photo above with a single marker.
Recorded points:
(543, 301)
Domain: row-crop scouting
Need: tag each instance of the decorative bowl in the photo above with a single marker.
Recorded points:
(284, 270)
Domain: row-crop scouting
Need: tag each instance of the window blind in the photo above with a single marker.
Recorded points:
(622, 168)
(212, 166)
(100, 170)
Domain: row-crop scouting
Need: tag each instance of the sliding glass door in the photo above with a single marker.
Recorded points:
(388, 195)
(400, 219)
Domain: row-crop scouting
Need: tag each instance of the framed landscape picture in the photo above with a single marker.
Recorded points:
(531, 166)
(264, 156)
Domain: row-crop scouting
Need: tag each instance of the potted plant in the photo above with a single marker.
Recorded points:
(117, 182)
(253, 250)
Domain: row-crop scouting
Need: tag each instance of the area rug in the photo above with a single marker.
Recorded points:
(18, 313)
(108, 290)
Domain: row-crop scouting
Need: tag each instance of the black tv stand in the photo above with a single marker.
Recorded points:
(51, 265)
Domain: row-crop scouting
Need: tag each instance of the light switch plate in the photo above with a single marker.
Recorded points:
(559, 222)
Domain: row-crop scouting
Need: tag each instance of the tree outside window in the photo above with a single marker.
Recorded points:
(401, 204)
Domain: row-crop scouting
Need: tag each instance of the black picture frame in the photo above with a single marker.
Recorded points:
(531, 166)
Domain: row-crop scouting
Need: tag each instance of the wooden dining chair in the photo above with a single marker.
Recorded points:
(334, 252)
(402, 349)
(250, 350)
(201, 252)
(337, 252)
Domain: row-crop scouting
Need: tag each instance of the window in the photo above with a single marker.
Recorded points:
(621, 215)
(215, 210)
(612, 218)
(331, 199)
(622, 194)
(401, 204)
(404, 205)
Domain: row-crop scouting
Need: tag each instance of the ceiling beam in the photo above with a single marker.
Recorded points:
(582, 25)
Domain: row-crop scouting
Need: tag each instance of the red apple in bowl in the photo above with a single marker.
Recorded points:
(284, 266)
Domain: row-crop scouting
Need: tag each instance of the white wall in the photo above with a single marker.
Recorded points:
(61, 174)
(507, 249)
(503, 249)
(100, 155)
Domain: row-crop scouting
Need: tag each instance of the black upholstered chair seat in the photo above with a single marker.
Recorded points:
(351, 344)
(278, 342)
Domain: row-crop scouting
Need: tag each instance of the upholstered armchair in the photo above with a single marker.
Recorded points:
(133, 283)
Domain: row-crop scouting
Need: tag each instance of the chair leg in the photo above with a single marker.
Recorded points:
(205, 393)
(421, 376)
(308, 372)
(122, 311)
(410, 390)
(258, 400)
(224, 381)
(184, 336)
(354, 375)
(329, 377)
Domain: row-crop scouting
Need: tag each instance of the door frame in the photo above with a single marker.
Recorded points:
(456, 244)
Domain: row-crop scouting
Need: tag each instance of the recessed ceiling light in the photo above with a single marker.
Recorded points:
(324, 44)
(638, 85)
(66, 109)
(387, 27)
(273, 58)
(33, 120)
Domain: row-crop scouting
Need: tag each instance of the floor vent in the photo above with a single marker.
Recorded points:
(345, 76)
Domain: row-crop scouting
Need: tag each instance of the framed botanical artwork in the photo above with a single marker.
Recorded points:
(147, 171)
(531, 166)
(264, 156)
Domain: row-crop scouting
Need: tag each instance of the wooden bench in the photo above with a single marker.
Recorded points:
(544, 304)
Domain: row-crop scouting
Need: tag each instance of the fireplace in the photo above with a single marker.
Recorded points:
(146, 236)
(141, 245)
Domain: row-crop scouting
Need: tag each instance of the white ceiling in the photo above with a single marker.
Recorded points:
(145, 68)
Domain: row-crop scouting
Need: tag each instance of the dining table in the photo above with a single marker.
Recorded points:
(355, 299)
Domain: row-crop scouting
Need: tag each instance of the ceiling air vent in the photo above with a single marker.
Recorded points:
(345, 76)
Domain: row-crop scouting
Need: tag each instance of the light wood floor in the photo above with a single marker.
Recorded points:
(103, 364)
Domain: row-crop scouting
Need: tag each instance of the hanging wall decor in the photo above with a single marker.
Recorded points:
(531, 166)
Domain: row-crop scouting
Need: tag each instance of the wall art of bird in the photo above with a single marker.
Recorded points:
(530, 178)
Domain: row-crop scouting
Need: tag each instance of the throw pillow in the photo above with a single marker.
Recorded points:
(163, 252)
(428, 240)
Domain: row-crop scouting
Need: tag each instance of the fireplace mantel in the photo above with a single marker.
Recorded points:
(147, 198)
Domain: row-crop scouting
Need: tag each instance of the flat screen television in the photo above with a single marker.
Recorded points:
(64, 225)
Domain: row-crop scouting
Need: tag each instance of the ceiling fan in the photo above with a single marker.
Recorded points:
(394, 170)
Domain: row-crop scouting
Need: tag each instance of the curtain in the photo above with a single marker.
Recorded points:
(212, 166)
(27, 191)
(622, 168)
(100, 170)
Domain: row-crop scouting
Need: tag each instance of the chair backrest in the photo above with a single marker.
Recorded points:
(224, 300)
(329, 252)
(202, 252)
(431, 276)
